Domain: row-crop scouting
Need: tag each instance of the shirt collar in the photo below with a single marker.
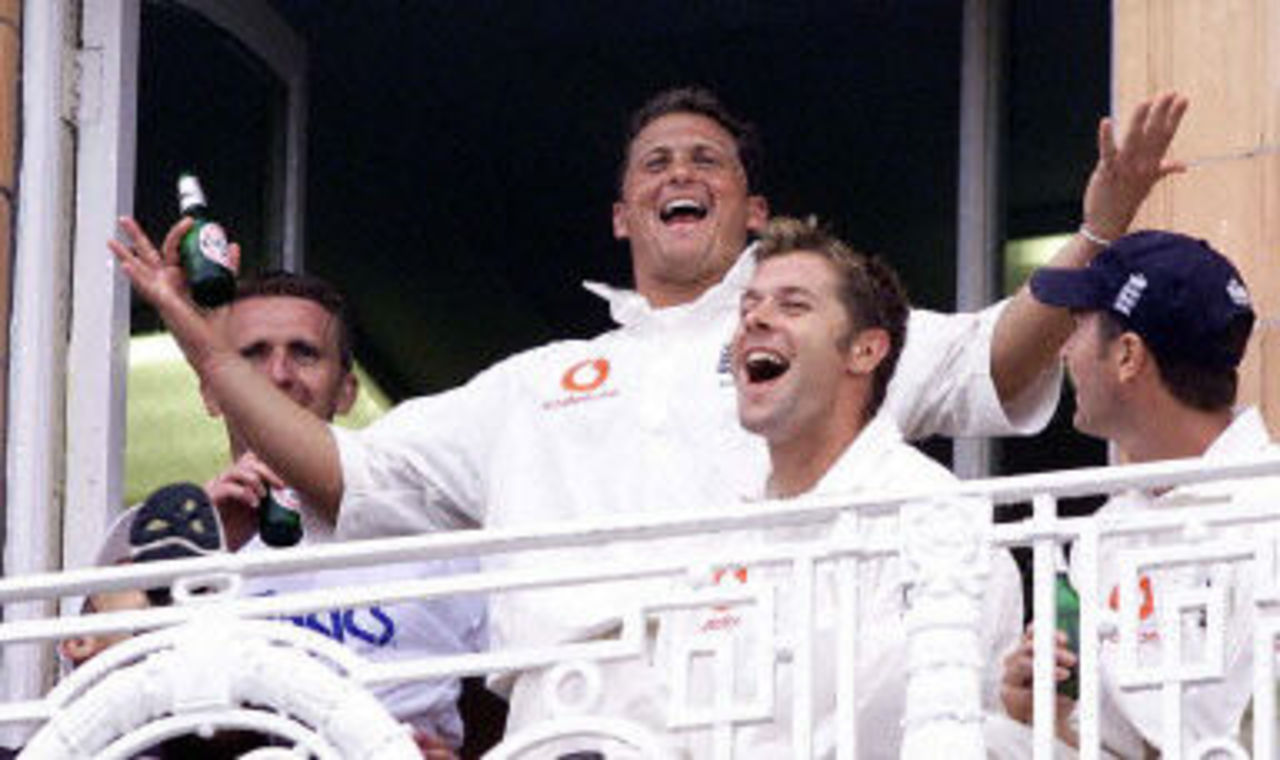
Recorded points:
(1246, 433)
(854, 469)
(629, 308)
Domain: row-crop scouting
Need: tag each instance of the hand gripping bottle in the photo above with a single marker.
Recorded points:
(280, 517)
(203, 251)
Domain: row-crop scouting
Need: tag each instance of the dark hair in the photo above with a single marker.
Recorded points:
(1208, 389)
(702, 102)
(278, 282)
(870, 291)
(161, 596)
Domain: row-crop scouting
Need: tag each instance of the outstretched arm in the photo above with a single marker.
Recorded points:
(293, 442)
(1029, 334)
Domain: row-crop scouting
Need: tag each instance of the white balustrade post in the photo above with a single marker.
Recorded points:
(947, 556)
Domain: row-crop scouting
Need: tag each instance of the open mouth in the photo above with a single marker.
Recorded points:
(682, 210)
(762, 365)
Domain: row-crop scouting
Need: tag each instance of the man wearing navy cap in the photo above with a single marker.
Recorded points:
(1161, 324)
(175, 522)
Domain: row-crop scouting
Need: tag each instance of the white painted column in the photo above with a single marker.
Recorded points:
(38, 329)
(98, 351)
(978, 217)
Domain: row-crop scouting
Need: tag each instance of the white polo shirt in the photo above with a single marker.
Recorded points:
(390, 632)
(640, 419)
(877, 460)
(1128, 719)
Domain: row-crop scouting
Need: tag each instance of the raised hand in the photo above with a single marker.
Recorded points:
(1127, 170)
(294, 441)
(157, 276)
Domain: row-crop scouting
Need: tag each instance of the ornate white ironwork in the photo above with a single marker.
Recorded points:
(947, 549)
(218, 672)
(779, 630)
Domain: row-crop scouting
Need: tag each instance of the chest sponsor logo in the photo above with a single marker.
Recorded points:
(722, 617)
(585, 381)
(370, 626)
(1146, 610)
(585, 376)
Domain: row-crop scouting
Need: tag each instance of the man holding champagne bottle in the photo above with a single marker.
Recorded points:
(205, 251)
(292, 330)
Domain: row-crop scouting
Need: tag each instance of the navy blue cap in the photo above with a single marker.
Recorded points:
(175, 521)
(1186, 300)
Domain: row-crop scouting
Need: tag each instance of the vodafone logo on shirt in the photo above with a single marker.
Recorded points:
(586, 380)
(585, 376)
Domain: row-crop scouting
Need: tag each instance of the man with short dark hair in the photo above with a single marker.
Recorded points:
(641, 418)
(293, 330)
(1162, 322)
(820, 333)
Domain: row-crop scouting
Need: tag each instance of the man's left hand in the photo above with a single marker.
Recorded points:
(1126, 171)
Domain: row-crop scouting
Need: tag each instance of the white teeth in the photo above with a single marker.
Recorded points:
(761, 356)
(762, 365)
(681, 204)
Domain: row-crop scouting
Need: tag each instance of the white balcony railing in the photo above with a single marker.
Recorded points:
(212, 662)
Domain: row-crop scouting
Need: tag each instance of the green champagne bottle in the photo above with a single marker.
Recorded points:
(203, 251)
(280, 517)
(1068, 612)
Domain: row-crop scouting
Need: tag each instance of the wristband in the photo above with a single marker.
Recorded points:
(1092, 236)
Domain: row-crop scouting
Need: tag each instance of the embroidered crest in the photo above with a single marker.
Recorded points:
(1130, 294)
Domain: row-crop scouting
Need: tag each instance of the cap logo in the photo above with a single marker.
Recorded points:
(1238, 293)
(1129, 295)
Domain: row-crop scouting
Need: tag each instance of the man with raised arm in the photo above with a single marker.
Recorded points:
(641, 418)
(1161, 324)
(293, 330)
(822, 328)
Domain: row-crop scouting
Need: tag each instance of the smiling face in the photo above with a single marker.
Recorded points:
(794, 363)
(685, 207)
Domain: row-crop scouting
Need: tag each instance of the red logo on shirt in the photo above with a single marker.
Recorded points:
(737, 572)
(585, 376)
(721, 616)
(1148, 598)
(583, 381)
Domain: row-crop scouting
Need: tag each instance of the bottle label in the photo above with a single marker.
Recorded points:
(287, 498)
(212, 241)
